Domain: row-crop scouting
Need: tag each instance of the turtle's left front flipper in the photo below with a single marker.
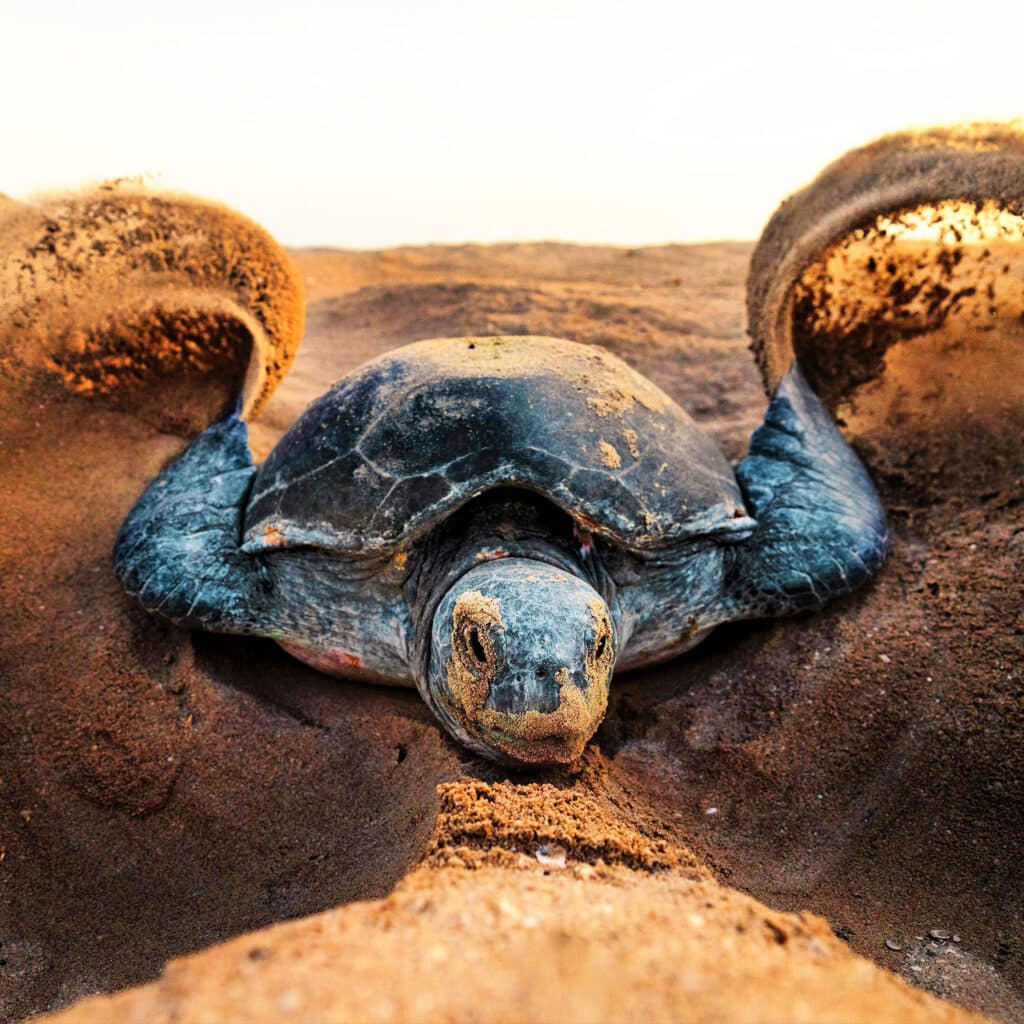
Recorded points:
(821, 528)
(178, 550)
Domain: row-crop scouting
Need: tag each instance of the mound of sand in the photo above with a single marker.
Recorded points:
(525, 931)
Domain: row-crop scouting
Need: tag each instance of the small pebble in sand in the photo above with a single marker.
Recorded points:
(956, 938)
(939, 936)
(711, 810)
(893, 945)
(884, 658)
(551, 855)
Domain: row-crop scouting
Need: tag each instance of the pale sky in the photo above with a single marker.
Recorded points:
(377, 123)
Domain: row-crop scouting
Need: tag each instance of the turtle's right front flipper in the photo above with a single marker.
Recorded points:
(821, 529)
(178, 550)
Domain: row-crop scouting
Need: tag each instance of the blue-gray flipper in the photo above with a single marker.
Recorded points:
(178, 550)
(821, 528)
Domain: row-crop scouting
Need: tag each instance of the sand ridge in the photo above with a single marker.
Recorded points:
(110, 289)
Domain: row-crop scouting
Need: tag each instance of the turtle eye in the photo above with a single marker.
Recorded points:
(475, 646)
(602, 643)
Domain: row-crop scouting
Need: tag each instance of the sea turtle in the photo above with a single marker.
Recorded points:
(502, 522)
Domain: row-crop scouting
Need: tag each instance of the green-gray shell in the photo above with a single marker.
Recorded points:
(400, 443)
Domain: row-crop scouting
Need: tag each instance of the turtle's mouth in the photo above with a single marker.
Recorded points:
(507, 745)
(535, 738)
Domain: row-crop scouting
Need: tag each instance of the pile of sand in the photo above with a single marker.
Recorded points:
(556, 933)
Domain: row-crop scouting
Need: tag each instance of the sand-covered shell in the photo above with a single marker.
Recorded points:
(397, 445)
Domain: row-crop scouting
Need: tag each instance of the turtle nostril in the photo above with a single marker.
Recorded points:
(541, 672)
(473, 638)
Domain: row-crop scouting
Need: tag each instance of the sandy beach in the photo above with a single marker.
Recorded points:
(808, 819)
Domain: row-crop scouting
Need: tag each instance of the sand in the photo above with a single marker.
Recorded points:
(163, 791)
(482, 932)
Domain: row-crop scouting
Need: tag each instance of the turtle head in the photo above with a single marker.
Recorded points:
(520, 661)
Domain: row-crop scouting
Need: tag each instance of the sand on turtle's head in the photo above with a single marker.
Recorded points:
(552, 737)
(534, 736)
(469, 676)
(600, 657)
